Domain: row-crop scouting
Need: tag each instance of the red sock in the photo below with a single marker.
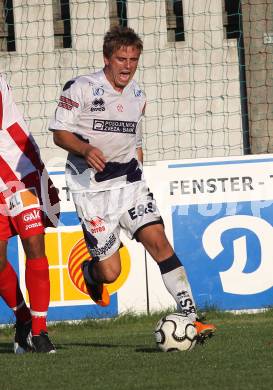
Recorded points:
(11, 293)
(38, 286)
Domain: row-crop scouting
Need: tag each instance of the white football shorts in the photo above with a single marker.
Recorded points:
(104, 213)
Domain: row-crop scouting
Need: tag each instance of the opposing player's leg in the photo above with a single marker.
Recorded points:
(38, 286)
(29, 222)
(11, 293)
(22, 337)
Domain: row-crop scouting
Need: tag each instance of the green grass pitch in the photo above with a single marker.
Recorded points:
(121, 354)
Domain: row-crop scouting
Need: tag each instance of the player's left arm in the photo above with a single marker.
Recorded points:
(139, 138)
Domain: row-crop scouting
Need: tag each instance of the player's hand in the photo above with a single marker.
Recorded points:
(95, 158)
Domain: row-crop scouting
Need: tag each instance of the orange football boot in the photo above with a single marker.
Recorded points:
(204, 330)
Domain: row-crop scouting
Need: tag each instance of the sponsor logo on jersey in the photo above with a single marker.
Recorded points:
(14, 201)
(137, 92)
(120, 108)
(29, 197)
(114, 126)
(67, 103)
(98, 91)
(22, 199)
(98, 105)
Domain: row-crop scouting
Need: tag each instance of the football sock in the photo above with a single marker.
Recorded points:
(89, 273)
(175, 279)
(11, 293)
(38, 286)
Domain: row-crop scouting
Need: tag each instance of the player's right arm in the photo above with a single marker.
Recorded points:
(70, 142)
(140, 155)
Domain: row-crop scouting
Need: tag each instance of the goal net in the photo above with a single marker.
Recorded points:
(206, 68)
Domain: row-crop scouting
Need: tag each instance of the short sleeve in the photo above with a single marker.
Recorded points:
(69, 107)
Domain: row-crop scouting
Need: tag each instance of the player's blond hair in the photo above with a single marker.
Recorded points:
(119, 36)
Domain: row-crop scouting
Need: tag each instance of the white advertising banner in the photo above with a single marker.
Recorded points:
(218, 215)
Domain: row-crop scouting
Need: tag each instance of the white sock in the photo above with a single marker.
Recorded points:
(177, 284)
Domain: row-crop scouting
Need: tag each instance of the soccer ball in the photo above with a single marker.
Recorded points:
(175, 332)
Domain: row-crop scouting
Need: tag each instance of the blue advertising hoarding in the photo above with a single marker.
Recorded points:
(222, 220)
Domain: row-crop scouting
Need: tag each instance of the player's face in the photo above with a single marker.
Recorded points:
(121, 66)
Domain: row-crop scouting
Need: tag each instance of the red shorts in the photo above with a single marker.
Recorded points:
(29, 207)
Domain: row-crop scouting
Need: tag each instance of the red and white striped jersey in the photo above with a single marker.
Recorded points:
(19, 154)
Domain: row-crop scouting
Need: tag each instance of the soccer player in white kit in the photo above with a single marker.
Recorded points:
(28, 204)
(98, 121)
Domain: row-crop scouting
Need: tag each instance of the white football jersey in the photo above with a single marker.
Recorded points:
(94, 111)
(19, 154)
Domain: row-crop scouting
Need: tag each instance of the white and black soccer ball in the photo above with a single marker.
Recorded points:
(175, 332)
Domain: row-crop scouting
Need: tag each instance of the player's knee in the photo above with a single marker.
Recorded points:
(111, 276)
(109, 269)
(160, 249)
